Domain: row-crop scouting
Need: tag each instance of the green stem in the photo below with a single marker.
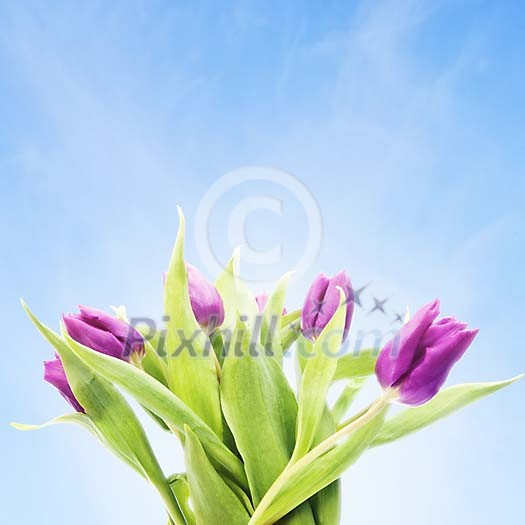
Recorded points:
(375, 408)
(353, 418)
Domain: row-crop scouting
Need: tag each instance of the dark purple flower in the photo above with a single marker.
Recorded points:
(104, 333)
(206, 302)
(322, 301)
(101, 332)
(55, 374)
(418, 360)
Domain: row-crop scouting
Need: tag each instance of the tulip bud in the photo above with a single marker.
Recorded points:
(206, 302)
(261, 301)
(104, 333)
(101, 332)
(55, 374)
(418, 360)
(322, 301)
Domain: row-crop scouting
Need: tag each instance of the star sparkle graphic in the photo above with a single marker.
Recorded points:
(398, 318)
(358, 292)
(379, 305)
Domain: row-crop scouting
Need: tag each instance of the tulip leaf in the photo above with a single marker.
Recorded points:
(260, 409)
(151, 361)
(290, 329)
(191, 367)
(181, 488)
(317, 377)
(78, 418)
(84, 421)
(306, 478)
(271, 319)
(443, 404)
(236, 296)
(291, 317)
(153, 364)
(165, 404)
(356, 364)
(346, 398)
(112, 416)
(326, 504)
(213, 500)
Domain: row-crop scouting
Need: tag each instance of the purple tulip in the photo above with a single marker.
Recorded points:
(101, 332)
(55, 374)
(322, 301)
(418, 360)
(104, 333)
(206, 302)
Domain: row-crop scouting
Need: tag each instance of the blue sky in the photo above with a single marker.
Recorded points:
(403, 119)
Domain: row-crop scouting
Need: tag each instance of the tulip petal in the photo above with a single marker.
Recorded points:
(313, 304)
(327, 307)
(261, 301)
(322, 301)
(206, 302)
(124, 332)
(342, 281)
(55, 374)
(441, 329)
(93, 337)
(398, 355)
(429, 375)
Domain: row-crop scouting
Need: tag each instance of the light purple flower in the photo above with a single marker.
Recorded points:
(261, 301)
(322, 301)
(55, 374)
(418, 360)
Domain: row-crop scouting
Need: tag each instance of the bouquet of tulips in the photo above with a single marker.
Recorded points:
(256, 452)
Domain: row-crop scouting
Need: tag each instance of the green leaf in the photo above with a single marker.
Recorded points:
(181, 488)
(346, 398)
(156, 338)
(326, 504)
(317, 377)
(260, 409)
(151, 361)
(153, 364)
(291, 317)
(306, 479)
(191, 367)
(112, 416)
(444, 403)
(359, 364)
(290, 329)
(213, 500)
(271, 319)
(84, 421)
(165, 404)
(236, 296)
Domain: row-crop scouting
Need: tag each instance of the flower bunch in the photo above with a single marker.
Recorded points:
(256, 452)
